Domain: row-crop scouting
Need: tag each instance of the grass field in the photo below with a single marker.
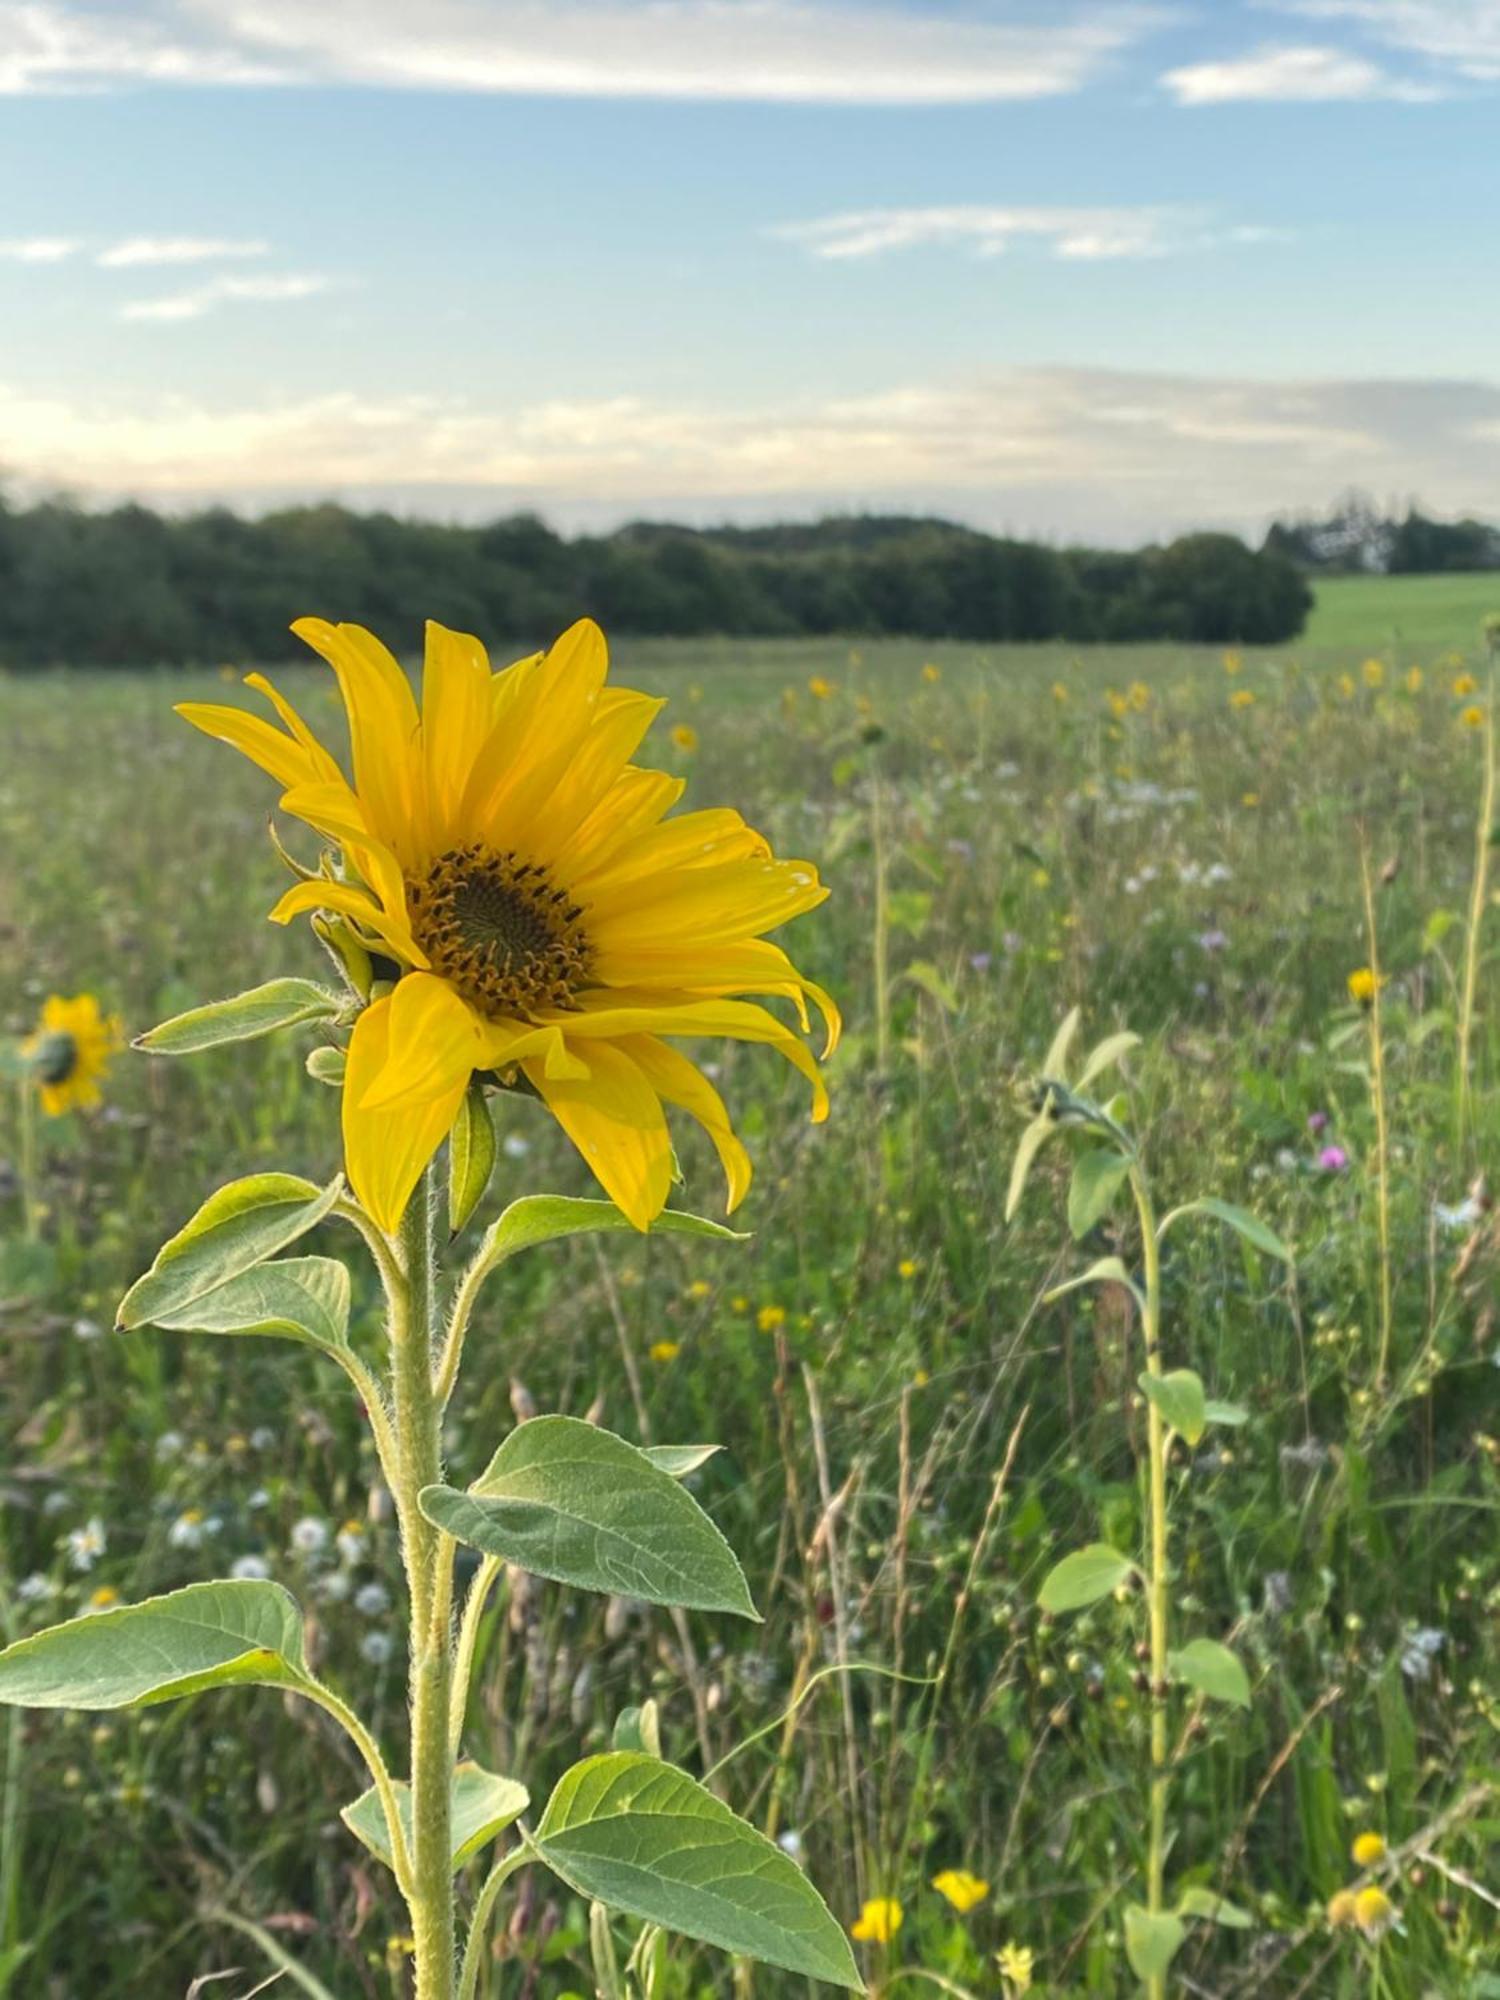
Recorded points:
(1170, 845)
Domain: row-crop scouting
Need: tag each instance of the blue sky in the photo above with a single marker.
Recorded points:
(1097, 269)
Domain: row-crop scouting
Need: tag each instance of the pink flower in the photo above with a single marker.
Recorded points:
(1317, 1121)
(1333, 1159)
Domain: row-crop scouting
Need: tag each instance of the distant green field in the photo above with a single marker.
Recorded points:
(1420, 612)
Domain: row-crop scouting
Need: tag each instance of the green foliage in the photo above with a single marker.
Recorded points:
(297, 1298)
(235, 1229)
(1179, 1396)
(483, 1806)
(280, 1003)
(1084, 1577)
(1152, 1942)
(471, 1157)
(1208, 1667)
(650, 1841)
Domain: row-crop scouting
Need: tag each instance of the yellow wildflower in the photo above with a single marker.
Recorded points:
(1060, 693)
(1374, 673)
(104, 1598)
(1414, 680)
(878, 1922)
(961, 1889)
(1374, 1911)
(1250, 799)
(1363, 985)
(1367, 1850)
(545, 919)
(663, 1351)
(908, 1268)
(1233, 662)
(1140, 695)
(1242, 698)
(1465, 685)
(932, 673)
(1472, 717)
(69, 1051)
(685, 738)
(700, 1288)
(1341, 1912)
(770, 1319)
(1017, 1963)
(1346, 686)
(819, 688)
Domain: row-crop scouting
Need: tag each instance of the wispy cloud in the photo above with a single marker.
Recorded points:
(1107, 454)
(139, 250)
(38, 249)
(274, 288)
(1462, 36)
(812, 51)
(1081, 234)
(1288, 73)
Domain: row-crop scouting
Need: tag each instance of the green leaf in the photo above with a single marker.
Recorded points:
(208, 1635)
(1151, 1943)
(1062, 1041)
(1241, 1220)
(1028, 1146)
(299, 1298)
(679, 1459)
(543, 1218)
(1104, 1055)
(566, 1500)
(1231, 1414)
(1197, 1901)
(1104, 1271)
(239, 1226)
(327, 1064)
(1096, 1181)
(482, 1806)
(935, 984)
(649, 1841)
(1084, 1577)
(1211, 1669)
(1179, 1397)
(638, 1729)
(471, 1156)
(280, 1003)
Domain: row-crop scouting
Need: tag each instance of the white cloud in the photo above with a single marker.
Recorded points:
(1287, 73)
(1082, 234)
(37, 249)
(275, 288)
(810, 51)
(1067, 452)
(136, 250)
(1461, 35)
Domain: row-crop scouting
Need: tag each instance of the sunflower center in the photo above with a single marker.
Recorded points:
(498, 930)
(55, 1056)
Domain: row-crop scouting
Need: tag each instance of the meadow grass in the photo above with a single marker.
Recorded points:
(1421, 614)
(914, 1435)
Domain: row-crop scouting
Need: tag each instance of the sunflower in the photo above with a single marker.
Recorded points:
(69, 1052)
(541, 917)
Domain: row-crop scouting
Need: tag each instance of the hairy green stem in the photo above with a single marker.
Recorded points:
(1382, 1132)
(479, 1923)
(1478, 897)
(1156, 1573)
(428, 1555)
(324, 1698)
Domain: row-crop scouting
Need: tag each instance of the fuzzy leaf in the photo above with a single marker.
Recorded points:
(1210, 1668)
(280, 1003)
(208, 1635)
(482, 1806)
(1096, 1181)
(1179, 1397)
(1084, 1577)
(679, 1459)
(1104, 1271)
(1028, 1146)
(566, 1500)
(1241, 1220)
(471, 1156)
(299, 1298)
(1104, 1055)
(647, 1840)
(1152, 1942)
(543, 1218)
(1062, 1041)
(239, 1226)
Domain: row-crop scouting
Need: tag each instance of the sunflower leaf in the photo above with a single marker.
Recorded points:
(482, 1806)
(644, 1838)
(471, 1156)
(239, 1226)
(297, 1298)
(280, 1003)
(544, 1218)
(1152, 1941)
(1084, 1577)
(566, 1500)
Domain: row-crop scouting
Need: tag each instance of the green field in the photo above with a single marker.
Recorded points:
(1122, 832)
(1414, 616)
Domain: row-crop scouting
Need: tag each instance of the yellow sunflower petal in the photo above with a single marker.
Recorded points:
(621, 720)
(269, 747)
(385, 1151)
(540, 734)
(323, 764)
(682, 1083)
(738, 900)
(607, 1016)
(457, 709)
(750, 965)
(693, 840)
(349, 901)
(615, 1120)
(636, 801)
(383, 728)
(434, 1039)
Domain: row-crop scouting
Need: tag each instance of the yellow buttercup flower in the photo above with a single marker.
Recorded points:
(541, 917)
(1374, 1911)
(1414, 680)
(961, 1889)
(770, 1319)
(663, 1351)
(1017, 1963)
(1367, 1850)
(878, 1922)
(69, 1052)
(1363, 985)
(1346, 686)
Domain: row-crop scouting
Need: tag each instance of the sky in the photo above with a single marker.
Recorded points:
(1090, 270)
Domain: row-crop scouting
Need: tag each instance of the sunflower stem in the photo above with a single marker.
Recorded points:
(428, 1555)
(1478, 897)
(1157, 1605)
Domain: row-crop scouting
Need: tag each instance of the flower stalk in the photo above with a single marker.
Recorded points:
(1478, 898)
(1157, 1599)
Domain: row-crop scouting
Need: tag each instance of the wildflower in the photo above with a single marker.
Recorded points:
(1465, 685)
(932, 674)
(685, 738)
(1251, 799)
(1346, 686)
(1374, 1911)
(1367, 1850)
(1472, 717)
(168, 1445)
(1414, 680)
(663, 1351)
(1419, 1650)
(1017, 1962)
(545, 918)
(87, 1329)
(1242, 698)
(69, 1052)
(1374, 673)
(186, 1532)
(878, 1922)
(250, 1569)
(790, 1842)
(1341, 1911)
(1363, 985)
(770, 1319)
(1213, 942)
(961, 1889)
(1140, 695)
(87, 1544)
(819, 688)
(105, 1598)
(350, 1541)
(36, 1588)
(376, 1647)
(1119, 704)
(514, 1146)
(309, 1535)
(1060, 693)
(1333, 1159)
(1317, 1121)
(700, 1288)
(1232, 663)
(371, 1600)
(907, 1269)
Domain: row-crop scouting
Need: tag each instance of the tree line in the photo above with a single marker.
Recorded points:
(1355, 536)
(126, 586)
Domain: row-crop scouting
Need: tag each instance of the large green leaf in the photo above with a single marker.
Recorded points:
(1209, 1667)
(1238, 1219)
(1179, 1396)
(1105, 1271)
(239, 1226)
(1084, 1577)
(299, 1298)
(1199, 1901)
(471, 1156)
(643, 1837)
(482, 1806)
(208, 1635)
(566, 1500)
(280, 1003)
(1096, 1180)
(1152, 1942)
(679, 1459)
(542, 1218)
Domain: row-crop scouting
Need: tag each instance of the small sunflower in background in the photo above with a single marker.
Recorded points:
(70, 1051)
(531, 911)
